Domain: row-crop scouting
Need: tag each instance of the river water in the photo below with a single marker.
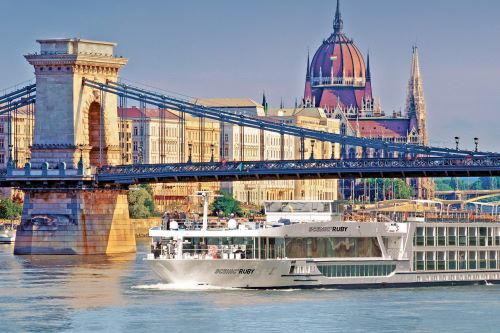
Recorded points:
(120, 294)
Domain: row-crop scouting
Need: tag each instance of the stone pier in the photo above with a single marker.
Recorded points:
(75, 222)
(75, 133)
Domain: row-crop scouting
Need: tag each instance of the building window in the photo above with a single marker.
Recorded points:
(135, 146)
(136, 131)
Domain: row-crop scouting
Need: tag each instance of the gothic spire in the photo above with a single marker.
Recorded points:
(415, 102)
(337, 22)
(308, 69)
(367, 72)
(415, 64)
(264, 101)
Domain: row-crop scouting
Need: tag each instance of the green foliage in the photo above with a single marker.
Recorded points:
(140, 203)
(481, 183)
(226, 204)
(381, 189)
(10, 209)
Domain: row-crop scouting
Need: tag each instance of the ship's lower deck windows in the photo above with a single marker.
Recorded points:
(455, 260)
(357, 270)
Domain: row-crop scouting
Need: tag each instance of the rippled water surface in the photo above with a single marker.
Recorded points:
(120, 294)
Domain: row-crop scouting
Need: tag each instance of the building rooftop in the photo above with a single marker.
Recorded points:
(228, 102)
(300, 111)
(135, 112)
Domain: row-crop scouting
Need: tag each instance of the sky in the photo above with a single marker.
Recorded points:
(229, 48)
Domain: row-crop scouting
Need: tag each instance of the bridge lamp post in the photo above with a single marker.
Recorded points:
(457, 141)
(476, 143)
(80, 162)
(140, 155)
(80, 147)
(190, 149)
(212, 155)
(312, 149)
(28, 158)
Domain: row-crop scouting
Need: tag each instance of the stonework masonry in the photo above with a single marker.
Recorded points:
(75, 222)
(75, 122)
(69, 113)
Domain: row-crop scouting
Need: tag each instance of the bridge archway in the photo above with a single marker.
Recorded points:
(94, 139)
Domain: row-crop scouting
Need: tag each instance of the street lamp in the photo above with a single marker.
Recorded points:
(212, 156)
(190, 149)
(476, 142)
(457, 140)
(28, 159)
(312, 149)
(140, 155)
(80, 147)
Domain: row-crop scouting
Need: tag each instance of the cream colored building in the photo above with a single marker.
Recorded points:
(21, 137)
(316, 119)
(125, 140)
(165, 138)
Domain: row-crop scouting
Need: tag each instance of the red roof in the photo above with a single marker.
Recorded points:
(382, 128)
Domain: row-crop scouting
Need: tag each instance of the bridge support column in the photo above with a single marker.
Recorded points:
(75, 222)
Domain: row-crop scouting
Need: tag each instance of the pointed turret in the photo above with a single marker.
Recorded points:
(368, 96)
(308, 88)
(281, 104)
(337, 22)
(415, 102)
(308, 68)
(367, 71)
(264, 101)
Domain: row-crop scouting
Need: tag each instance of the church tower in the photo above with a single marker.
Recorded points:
(415, 110)
(415, 102)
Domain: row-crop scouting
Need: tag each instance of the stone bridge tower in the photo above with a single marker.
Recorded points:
(63, 212)
(72, 118)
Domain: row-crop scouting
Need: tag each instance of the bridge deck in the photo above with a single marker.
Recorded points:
(300, 169)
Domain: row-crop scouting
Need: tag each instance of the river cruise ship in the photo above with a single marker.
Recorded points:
(313, 244)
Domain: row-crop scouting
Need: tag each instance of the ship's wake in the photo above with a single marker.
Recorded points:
(201, 287)
(180, 286)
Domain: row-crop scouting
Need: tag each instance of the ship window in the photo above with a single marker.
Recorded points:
(492, 261)
(472, 260)
(452, 260)
(356, 270)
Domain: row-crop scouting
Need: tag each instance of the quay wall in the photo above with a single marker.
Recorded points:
(142, 226)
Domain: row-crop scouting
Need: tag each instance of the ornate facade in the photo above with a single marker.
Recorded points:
(339, 81)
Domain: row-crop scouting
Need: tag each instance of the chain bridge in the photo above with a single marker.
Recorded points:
(74, 179)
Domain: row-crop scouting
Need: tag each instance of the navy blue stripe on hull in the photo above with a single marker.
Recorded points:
(385, 285)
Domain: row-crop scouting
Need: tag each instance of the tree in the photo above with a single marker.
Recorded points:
(10, 209)
(382, 189)
(140, 203)
(226, 203)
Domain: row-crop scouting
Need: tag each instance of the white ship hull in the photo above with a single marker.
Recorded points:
(273, 274)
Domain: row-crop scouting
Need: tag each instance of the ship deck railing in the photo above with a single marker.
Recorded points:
(200, 252)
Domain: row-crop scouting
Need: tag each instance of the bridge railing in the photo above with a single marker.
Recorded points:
(350, 164)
